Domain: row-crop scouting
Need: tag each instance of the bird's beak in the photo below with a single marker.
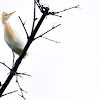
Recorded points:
(12, 13)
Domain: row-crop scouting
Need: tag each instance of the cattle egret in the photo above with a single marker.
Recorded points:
(12, 38)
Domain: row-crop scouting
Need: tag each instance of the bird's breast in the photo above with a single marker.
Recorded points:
(9, 31)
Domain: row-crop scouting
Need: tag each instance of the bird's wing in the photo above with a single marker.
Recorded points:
(19, 40)
(17, 45)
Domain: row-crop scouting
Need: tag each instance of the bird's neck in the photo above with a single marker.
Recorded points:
(9, 31)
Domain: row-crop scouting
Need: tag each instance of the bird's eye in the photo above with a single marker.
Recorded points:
(5, 14)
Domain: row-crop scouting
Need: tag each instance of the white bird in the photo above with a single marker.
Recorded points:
(12, 38)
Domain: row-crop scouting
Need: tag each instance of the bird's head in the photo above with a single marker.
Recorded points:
(5, 16)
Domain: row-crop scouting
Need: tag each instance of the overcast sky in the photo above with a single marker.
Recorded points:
(69, 70)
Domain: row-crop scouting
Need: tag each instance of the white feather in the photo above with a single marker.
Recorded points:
(12, 37)
(17, 45)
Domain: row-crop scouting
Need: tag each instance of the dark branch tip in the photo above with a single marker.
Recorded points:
(77, 6)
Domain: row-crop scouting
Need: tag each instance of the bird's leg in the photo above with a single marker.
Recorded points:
(13, 59)
(12, 63)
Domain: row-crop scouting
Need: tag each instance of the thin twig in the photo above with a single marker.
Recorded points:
(38, 4)
(41, 7)
(67, 9)
(50, 39)
(54, 13)
(23, 74)
(21, 90)
(9, 93)
(23, 24)
(22, 96)
(47, 31)
(57, 15)
(33, 17)
(5, 65)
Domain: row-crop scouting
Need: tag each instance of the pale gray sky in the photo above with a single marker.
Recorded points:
(66, 71)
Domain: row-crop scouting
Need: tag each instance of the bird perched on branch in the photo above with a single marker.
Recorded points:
(12, 38)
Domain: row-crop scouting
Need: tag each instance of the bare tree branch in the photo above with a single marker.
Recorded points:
(23, 24)
(18, 61)
(67, 9)
(9, 93)
(22, 96)
(5, 65)
(54, 13)
(50, 39)
(38, 4)
(23, 74)
(47, 31)
(13, 71)
(21, 90)
(33, 18)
